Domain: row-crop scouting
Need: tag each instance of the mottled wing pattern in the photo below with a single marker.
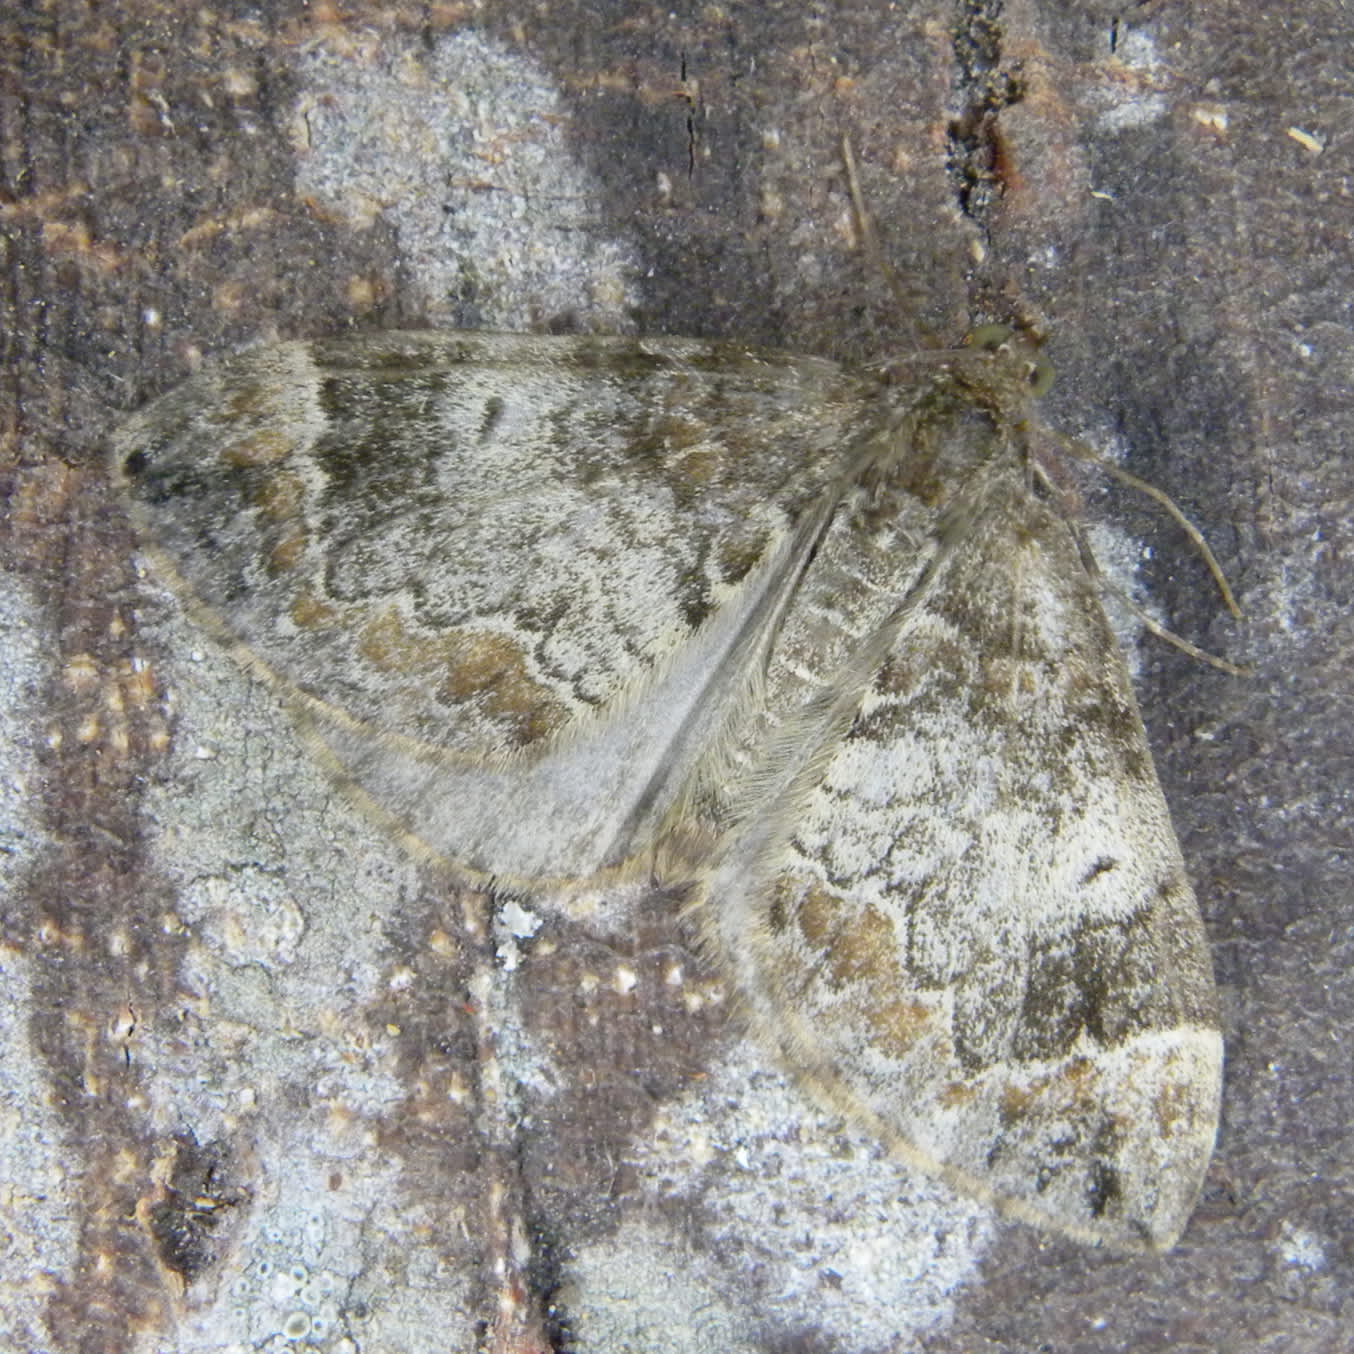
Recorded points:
(969, 923)
(501, 577)
(814, 644)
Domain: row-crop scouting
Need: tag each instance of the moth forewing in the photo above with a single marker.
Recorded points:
(975, 935)
(592, 799)
(807, 641)
(499, 576)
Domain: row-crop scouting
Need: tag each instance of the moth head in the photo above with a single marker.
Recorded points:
(1019, 348)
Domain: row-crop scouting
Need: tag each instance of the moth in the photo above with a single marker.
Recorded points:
(818, 646)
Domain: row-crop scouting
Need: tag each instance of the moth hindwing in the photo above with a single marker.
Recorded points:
(814, 642)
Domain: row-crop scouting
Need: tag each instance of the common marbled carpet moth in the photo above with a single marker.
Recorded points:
(818, 644)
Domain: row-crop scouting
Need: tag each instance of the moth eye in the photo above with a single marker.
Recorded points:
(989, 337)
(134, 464)
(1041, 375)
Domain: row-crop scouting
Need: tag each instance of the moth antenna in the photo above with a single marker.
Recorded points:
(1174, 511)
(1179, 641)
(869, 238)
(1162, 632)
